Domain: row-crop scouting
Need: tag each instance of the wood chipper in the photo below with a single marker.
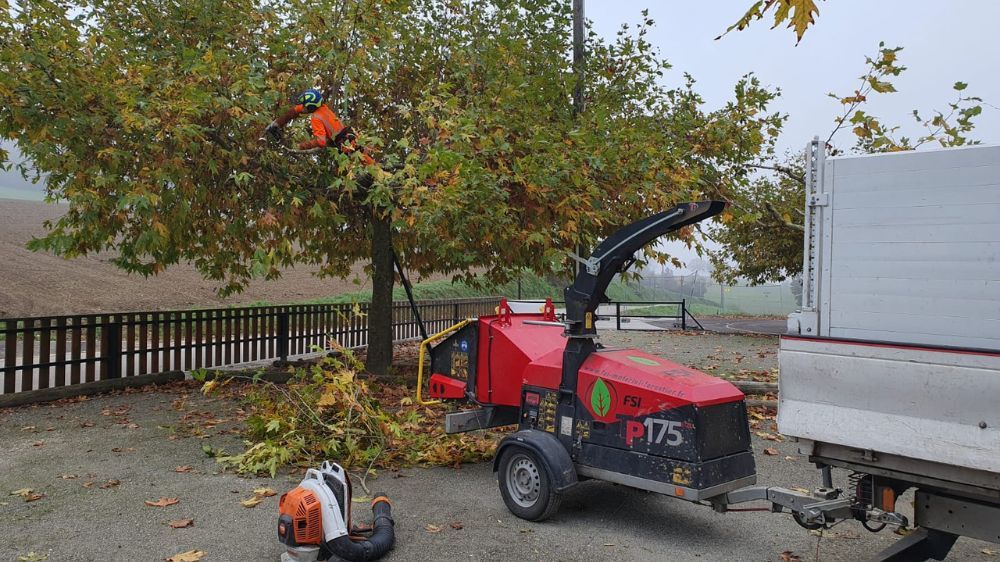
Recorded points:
(620, 415)
(583, 410)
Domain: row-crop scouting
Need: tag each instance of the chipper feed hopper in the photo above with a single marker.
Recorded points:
(583, 410)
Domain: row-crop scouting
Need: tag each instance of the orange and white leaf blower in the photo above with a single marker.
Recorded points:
(314, 521)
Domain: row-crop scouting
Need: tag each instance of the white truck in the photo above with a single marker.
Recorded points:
(891, 369)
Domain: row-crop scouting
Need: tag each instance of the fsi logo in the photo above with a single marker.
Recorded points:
(655, 432)
(464, 346)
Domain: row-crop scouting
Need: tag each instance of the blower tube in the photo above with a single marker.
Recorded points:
(381, 542)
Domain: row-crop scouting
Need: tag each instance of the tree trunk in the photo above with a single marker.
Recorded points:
(380, 313)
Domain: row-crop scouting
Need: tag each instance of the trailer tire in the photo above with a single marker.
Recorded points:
(525, 484)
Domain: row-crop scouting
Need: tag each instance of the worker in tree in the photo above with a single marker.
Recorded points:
(327, 129)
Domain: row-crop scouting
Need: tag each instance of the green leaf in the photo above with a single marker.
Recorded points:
(959, 86)
(600, 398)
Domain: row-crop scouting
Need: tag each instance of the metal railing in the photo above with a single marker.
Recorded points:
(619, 311)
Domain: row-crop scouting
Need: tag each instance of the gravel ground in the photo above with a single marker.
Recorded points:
(137, 439)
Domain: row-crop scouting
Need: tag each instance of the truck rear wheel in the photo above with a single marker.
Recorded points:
(525, 485)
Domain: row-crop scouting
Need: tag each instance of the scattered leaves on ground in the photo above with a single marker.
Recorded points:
(457, 525)
(181, 523)
(110, 484)
(789, 556)
(28, 494)
(162, 502)
(432, 528)
(69, 477)
(32, 557)
(183, 469)
(189, 556)
(770, 451)
(990, 552)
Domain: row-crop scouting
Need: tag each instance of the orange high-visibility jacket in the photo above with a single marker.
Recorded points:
(325, 128)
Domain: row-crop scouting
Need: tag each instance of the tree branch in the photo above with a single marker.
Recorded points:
(787, 171)
(780, 218)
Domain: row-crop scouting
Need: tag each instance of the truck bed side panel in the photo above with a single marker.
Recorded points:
(910, 247)
(933, 404)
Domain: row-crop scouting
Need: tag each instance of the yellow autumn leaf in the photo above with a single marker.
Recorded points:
(209, 386)
(189, 556)
(252, 502)
(264, 492)
(327, 400)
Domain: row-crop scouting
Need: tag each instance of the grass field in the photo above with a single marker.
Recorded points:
(532, 287)
(767, 300)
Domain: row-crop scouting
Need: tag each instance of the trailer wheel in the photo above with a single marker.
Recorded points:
(525, 485)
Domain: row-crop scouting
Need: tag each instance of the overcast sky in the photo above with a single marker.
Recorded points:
(944, 41)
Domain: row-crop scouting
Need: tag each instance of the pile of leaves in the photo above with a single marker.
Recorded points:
(326, 412)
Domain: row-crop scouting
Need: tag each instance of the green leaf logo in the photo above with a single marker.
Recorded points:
(600, 398)
(644, 361)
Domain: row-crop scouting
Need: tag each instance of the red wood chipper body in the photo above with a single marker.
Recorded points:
(584, 410)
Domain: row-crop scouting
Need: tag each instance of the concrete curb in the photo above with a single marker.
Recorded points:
(87, 389)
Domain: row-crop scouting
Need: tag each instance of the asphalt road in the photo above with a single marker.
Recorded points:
(77, 521)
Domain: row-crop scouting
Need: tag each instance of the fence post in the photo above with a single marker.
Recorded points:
(456, 311)
(283, 334)
(111, 347)
(10, 356)
(683, 314)
(618, 315)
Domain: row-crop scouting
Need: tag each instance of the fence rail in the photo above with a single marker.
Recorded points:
(54, 351)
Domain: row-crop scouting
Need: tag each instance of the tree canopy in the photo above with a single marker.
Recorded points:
(145, 117)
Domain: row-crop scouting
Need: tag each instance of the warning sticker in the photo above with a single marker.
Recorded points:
(566, 425)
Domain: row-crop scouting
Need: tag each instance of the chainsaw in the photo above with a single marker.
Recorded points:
(314, 521)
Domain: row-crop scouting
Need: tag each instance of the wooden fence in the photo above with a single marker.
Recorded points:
(55, 351)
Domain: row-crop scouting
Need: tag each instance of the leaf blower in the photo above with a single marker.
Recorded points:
(314, 521)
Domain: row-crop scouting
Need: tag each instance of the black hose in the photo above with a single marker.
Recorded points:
(381, 542)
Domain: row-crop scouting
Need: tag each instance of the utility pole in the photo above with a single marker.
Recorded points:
(578, 56)
(578, 69)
